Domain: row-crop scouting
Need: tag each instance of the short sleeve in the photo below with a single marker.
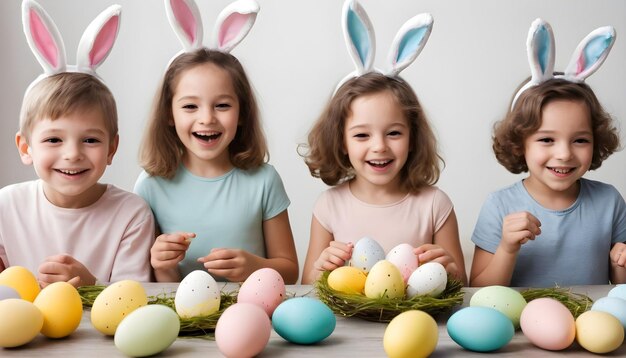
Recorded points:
(442, 207)
(619, 220)
(321, 211)
(488, 231)
(275, 199)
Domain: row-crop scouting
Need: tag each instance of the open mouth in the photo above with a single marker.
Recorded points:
(207, 136)
(562, 171)
(379, 163)
(71, 172)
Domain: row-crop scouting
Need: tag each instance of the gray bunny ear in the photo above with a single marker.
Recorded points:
(43, 38)
(359, 35)
(233, 24)
(590, 53)
(98, 39)
(184, 17)
(409, 42)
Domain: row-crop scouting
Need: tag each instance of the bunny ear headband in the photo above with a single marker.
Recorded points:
(586, 59)
(359, 35)
(232, 25)
(47, 45)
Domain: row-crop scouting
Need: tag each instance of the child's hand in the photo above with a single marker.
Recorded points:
(335, 255)
(517, 229)
(169, 249)
(436, 253)
(235, 265)
(618, 254)
(64, 268)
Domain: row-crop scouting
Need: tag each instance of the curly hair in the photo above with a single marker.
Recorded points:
(524, 119)
(326, 158)
(161, 150)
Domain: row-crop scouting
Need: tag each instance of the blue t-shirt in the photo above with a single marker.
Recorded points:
(574, 244)
(226, 211)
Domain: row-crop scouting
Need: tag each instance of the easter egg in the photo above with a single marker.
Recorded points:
(21, 322)
(366, 253)
(385, 280)
(303, 320)
(61, 307)
(480, 329)
(146, 331)
(8, 292)
(430, 279)
(114, 303)
(404, 258)
(411, 334)
(618, 291)
(612, 305)
(264, 287)
(599, 332)
(22, 280)
(197, 295)
(347, 279)
(508, 301)
(548, 324)
(242, 330)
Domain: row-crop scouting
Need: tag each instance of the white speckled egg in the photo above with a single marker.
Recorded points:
(197, 295)
(147, 330)
(404, 258)
(366, 253)
(264, 287)
(430, 279)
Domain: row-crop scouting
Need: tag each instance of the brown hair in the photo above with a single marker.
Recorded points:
(524, 119)
(161, 150)
(63, 94)
(326, 159)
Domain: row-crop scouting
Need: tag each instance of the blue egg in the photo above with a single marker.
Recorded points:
(8, 292)
(612, 305)
(480, 329)
(303, 320)
(618, 291)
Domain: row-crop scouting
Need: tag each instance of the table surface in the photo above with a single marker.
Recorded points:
(353, 337)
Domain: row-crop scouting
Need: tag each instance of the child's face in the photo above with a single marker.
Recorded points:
(206, 113)
(560, 152)
(70, 155)
(376, 139)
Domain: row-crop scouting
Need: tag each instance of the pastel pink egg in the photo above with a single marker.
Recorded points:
(264, 287)
(242, 330)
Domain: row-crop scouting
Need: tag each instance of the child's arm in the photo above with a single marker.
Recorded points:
(446, 249)
(497, 268)
(166, 252)
(323, 254)
(618, 263)
(236, 264)
(64, 268)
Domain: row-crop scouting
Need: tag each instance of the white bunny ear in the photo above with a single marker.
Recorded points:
(409, 42)
(590, 53)
(43, 38)
(184, 17)
(359, 35)
(98, 39)
(233, 24)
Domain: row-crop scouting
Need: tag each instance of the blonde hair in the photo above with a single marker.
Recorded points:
(326, 159)
(63, 94)
(161, 150)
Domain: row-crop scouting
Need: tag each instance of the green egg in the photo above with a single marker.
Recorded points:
(508, 301)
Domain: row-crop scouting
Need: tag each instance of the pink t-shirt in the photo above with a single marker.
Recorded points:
(111, 237)
(412, 220)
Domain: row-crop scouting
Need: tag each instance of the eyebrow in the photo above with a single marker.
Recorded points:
(360, 126)
(192, 97)
(552, 131)
(89, 131)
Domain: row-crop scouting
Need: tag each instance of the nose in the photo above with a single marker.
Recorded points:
(563, 151)
(206, 116)
(379, 144)
(72, 151)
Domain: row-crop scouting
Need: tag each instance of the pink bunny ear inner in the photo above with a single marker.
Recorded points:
(232, 27)
(185, 18)
(43, 40)
(104, 41)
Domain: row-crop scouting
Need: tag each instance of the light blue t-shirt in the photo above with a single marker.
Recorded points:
(226, 211)
(574, 244)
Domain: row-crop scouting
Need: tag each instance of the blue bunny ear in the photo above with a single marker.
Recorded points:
(359, 35)
(409, 42)
(590, 53)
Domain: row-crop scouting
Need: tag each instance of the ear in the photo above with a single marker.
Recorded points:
(184, 17)
(409, 42)
(358, 33)
(233, 24)
(23, 149)
(591, 53)
(43, 37)
(98, 39)
(113, 149)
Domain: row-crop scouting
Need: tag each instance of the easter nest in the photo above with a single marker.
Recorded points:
(384, 309)
(576, 303)
(191, 327)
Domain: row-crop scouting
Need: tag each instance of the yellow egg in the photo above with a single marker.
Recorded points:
(384, 279)
(21, 322)
(411, 334)
(22, 280)
(599, 332)
(347, 279)
(114, 303)
(62, 309)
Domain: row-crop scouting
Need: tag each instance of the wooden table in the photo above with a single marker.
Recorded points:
(352, 337)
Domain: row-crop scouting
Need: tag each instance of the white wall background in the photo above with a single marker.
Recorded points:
(295, 55)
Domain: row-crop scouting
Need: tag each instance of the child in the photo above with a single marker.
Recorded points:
(373, 143)
(554, 227)
(66, 226)
(205, 173)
